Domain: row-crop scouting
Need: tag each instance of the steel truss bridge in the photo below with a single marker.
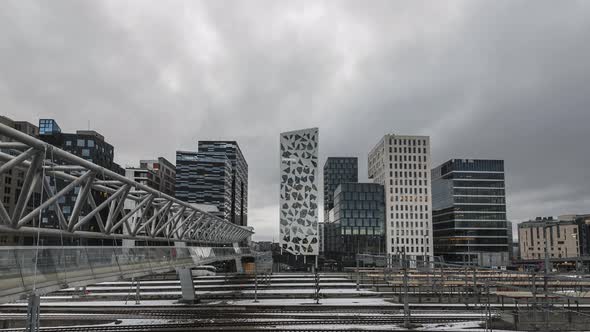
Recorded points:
(154, 216)
(127, 210)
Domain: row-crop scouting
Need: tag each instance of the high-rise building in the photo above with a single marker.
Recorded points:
(321, 238)
(239, 176)
(402, 165)
(164, 173)
(337, 170)
(205, 179)
(469, 212)
(359, 221)
(299, 193)
(12, 181)
(86, 144)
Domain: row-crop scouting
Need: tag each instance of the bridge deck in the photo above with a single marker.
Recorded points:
(24, 270)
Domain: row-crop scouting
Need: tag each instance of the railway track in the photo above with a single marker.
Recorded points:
(249, 324)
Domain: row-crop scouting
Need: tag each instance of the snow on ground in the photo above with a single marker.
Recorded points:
(350, 291)
(219, 279)
(467, 326)
(142, 286)
(103, 303)
(340, 301)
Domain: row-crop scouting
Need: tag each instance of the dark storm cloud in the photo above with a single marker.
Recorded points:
(485, 79)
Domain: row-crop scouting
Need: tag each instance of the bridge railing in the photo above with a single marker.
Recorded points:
(41, 270)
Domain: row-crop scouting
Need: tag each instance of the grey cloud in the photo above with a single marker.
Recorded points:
(487, 79)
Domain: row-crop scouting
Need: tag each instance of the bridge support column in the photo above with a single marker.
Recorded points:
(186, 284)
(238, 260)
(239, 266)
(33, 310)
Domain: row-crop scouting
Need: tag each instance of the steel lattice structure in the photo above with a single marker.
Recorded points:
(154, 216)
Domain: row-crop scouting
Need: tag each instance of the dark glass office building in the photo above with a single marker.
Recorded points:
(469, 212)
(204, 179)
(358, 226)
(89, 145)
(337, 170)
(238, 213)
(11, 182)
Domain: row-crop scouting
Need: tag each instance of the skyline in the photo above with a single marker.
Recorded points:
(356, 73)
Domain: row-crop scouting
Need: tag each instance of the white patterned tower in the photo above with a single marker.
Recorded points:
(299, 192)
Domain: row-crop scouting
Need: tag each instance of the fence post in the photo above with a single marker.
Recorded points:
(137, 292)
(255, 287)
(406, 304)
(357, 273)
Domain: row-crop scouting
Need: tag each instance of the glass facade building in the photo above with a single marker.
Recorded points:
(88, 145)
(204, 179)
(11, 182)
(359, 222)
(337, 170)
(48, 127)
(469, 212)
(238, 213)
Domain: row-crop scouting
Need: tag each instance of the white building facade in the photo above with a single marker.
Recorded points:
(402, 165)
(299, 192)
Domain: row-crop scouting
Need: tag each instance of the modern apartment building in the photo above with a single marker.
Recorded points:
(298, 229)
(562, 239)
(469, 212)
(359, 221)
(205, 179)
(401, 164)
(164, 174)
(337, 170)
(143, 176)
(239, 176)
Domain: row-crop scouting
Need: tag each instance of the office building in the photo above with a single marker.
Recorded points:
(143, 176)
(469, 212)
(583, 222)
(561, 237)
(164, 173)
(89, 145)
(337, 170)
(298, 227)
(321, 237)
(401, 164)
(12, 181)
(239, 176)
(205, 179)
(358, 222)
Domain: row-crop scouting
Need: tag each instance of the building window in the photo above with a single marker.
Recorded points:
(68, 143)
(80, 142)
(85, 152)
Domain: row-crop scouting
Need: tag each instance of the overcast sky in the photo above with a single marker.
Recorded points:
(502, 79)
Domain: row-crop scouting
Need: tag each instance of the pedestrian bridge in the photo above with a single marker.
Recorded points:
(31, 270)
